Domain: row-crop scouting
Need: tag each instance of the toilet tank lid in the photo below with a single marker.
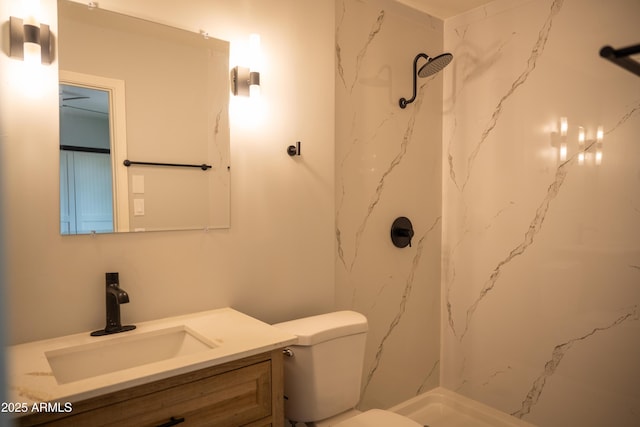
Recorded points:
(316, 329)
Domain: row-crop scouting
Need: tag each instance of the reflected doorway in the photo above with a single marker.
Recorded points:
(86, 191)
(93, 187)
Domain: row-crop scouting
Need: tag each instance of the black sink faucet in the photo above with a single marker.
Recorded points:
(115, 296)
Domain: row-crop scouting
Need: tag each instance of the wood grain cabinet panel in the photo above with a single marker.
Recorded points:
(247, 392)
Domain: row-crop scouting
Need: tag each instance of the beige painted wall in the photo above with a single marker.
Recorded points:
(276, 261)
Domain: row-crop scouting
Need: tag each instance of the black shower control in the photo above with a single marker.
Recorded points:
(401, 232)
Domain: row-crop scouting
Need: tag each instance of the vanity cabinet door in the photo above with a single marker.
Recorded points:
(233, 398)
(247, 392)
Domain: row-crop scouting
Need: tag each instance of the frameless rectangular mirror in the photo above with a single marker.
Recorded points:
(149, 96)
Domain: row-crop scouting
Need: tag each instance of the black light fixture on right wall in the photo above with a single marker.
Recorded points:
(432, 66)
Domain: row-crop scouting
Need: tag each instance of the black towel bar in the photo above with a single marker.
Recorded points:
(203, 166)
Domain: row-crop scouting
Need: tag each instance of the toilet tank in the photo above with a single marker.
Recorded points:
(323, 377)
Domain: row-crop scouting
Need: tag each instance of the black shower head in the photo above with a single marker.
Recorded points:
(432, 66)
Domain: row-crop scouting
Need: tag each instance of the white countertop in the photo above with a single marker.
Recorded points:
(235, 335)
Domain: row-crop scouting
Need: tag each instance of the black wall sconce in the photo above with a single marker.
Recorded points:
(29, 40)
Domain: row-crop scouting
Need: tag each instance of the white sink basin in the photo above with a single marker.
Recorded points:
(122, 352)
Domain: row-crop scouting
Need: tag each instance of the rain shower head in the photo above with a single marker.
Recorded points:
(432, 66)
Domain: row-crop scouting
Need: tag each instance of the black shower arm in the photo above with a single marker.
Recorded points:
(404, 102)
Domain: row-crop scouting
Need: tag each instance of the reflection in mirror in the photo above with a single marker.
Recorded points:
(86, 192)
(177, 92)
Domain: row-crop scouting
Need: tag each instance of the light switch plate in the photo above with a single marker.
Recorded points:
(138, 207)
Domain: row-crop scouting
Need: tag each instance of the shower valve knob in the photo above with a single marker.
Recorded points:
(402, 232)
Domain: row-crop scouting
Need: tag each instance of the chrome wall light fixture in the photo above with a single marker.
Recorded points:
(29, 40)
(245, 81)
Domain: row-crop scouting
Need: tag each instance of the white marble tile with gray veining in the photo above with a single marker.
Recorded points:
(380, 175)
(540, 252)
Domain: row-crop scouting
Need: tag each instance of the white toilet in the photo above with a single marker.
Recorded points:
(323, 373)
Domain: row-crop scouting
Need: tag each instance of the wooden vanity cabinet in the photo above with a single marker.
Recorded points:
(246, 392)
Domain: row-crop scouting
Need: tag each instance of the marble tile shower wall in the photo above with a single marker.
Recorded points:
(541, 251)
(388, 164)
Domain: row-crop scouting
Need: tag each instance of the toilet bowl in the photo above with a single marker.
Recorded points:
(323, 373)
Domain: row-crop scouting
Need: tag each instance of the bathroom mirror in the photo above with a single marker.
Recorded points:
(154, 95)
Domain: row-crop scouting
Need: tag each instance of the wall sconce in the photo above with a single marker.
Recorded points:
(29, 40)
(245, 81)
(590, 151)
